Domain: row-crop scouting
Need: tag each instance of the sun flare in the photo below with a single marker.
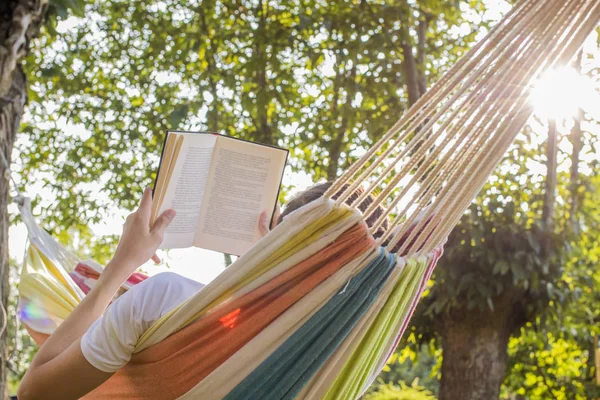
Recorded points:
(560, 93)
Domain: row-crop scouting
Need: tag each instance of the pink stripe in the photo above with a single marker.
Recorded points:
(436, 253)
(83, 271)
(137, 277)
(87, 271)
(80, 282)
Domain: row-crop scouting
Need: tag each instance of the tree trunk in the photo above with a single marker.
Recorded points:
(409, 64)
(335, 150)
(576, 138)
(334, 154)
(335, 146)
(474, 358)
(212, 114)
(577, 142)
(420, 61)
(550, 187)
(594, 353)
(19, 23)
(265, 130)
(410, 70)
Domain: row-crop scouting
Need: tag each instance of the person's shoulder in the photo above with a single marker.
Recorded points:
(169, 282)
(170, 277)
(165, 290)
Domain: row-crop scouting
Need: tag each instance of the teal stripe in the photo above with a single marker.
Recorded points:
(285, 372)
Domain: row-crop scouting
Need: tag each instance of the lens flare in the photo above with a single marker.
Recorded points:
(35, 315)
(560, 93)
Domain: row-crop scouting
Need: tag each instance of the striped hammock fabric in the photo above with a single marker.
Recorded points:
(49, 291)
(314, 309)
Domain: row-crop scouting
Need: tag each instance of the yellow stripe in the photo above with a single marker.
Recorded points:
(42, 282)
(356, 372)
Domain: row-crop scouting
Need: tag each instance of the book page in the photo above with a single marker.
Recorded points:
(244, 181)
(166, 161)
(186, 189)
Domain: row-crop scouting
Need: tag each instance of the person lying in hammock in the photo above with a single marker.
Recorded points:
(88, 347)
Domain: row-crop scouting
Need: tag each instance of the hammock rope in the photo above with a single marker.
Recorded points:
(315, 309)
(481, 112)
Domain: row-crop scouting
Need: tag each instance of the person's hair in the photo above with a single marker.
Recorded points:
(318, 190)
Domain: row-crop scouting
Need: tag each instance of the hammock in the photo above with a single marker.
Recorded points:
(315, 308)
(49, 291)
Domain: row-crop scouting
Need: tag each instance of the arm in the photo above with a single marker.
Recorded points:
(59, 369)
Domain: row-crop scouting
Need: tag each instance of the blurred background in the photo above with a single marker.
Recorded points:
(513, 310)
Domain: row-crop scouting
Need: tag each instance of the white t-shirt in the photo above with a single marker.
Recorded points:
(108, 344)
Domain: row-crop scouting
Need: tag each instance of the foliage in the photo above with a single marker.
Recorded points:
(546, 367)
(324, 79)
(498, 250)
(59, 10)
(408, 365)
(498, 246)
(553, 356)
(501, 253)
(401, 391)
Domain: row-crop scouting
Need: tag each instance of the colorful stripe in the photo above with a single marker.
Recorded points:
(289, 296)
(287, 370)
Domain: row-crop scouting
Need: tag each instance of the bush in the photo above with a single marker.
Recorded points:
(400, 391)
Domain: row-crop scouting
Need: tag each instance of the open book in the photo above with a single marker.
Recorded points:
(219, 186)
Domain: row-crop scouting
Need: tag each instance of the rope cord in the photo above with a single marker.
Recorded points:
(519, 86)
(430, 165)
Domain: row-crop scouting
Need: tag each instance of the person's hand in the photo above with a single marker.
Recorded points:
(263, 222)
(140, 241)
